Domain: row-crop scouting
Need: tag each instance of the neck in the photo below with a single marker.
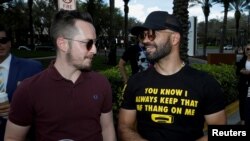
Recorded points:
(169, 68)
(67, 71)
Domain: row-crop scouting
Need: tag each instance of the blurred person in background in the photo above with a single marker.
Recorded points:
(243, 71)
(134, 55)
(14, 70)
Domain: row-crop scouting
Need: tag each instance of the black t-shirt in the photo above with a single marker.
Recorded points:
(172, 107)
(136, 56)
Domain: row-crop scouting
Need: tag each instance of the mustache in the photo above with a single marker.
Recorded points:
(149, 44)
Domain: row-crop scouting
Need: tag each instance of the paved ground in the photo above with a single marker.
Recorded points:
(232, 111)
(193, 60)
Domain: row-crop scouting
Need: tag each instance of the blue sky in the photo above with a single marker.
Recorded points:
(141, 8)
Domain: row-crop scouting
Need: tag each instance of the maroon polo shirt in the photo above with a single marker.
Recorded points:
(61, 109)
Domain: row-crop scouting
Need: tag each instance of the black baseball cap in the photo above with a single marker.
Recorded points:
(158, 20)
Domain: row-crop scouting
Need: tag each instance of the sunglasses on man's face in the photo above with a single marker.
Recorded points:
(89, 42)
(247, 49)
(150, 34)
(4, 40)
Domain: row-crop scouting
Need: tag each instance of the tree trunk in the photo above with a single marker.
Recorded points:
(237, 16)
(224, 26)
(31, 35)
(206, 11)
(112, 46)
(180, 10)
(126, 10)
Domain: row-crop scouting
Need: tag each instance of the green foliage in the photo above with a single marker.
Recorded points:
(100, 63)
(225, 75)
(16, 18)
(114, 77)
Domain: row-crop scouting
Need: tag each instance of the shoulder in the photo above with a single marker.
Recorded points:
(36, 79)
(198, 75)
(26, 62)
(143, 76)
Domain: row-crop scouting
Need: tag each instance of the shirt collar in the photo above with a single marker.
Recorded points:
(6, 62)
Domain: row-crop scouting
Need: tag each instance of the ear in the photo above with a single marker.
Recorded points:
(62, 44)
(176, 37)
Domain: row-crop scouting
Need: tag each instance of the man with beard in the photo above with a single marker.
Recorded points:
(67, 100)
(171, 100)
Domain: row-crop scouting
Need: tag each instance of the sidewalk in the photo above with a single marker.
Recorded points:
(193, 60)
(233, 115)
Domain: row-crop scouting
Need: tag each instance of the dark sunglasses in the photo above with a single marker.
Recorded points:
(89, 42)
(4, 40)
(247, 49)
(150, 34)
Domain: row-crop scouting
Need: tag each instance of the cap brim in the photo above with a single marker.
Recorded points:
(136, 30)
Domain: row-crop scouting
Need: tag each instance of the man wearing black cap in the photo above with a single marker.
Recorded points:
(169, 101)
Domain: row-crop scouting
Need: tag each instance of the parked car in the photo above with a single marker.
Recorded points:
(228, 47)
(24, 48)
(44, 47)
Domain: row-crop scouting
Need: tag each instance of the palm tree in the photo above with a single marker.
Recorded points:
(205, 5)
(126, 10)
(55, 3)
(248, 19)
(224, 26)
(1, 2)
(30, 4)
(180, 10)
(238, 6)
(14, 18)
(112, 53)
(91, 7)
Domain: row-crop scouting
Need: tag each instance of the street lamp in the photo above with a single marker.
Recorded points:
(126, 10)
(30, 3)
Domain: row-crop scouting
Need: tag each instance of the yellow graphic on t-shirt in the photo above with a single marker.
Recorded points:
(151, 99)
(164, 104)
(162, 118)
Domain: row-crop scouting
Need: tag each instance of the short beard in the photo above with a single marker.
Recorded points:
(161, 52)
(82, 67)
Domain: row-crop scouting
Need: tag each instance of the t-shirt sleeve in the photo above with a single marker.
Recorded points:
(20, 108)
(129, 53)
(107, 91)
(129, 96)
(214, 99)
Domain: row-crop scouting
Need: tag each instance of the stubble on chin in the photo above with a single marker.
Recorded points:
(160, 51)
(86, 65)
